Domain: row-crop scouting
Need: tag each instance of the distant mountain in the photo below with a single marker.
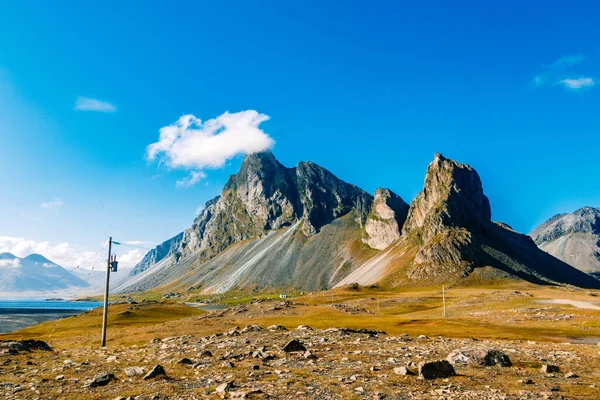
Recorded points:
(35, 273)
(573, 238)
(303, 227)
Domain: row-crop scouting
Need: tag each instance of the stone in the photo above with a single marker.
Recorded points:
(157, 371)
(293, 346)
(550, 369)
(224, 387)
(436, 369)
(480, 356)
(571, 375)
(134, 371)
(277, 328)
(186, 361)
(309, 355)
(102, 380)
(403, 371)
(206, 353)
(304, 328)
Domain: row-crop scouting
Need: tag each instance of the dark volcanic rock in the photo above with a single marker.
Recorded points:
(436, 369)
(157, 371)
(293, 346)
(25, 345)
(102, 380)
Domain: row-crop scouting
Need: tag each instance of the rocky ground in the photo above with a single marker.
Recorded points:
(495, 344)
(272, 362)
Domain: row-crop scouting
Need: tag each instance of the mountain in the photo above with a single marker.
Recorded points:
(271, 226)
(449, 235)
(35, 273)
(573, 238)
(302, 227)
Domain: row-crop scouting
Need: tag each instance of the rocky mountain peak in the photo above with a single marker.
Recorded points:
(573, 238)
(452, 196)
(385, 219)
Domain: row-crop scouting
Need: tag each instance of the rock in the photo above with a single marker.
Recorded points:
(525, 381)
(102, 380)
(157, 371)
(186, 361)
(206, 353)
(359, 389)
(25, 345)
(309, 355)
(293, 346)
(481, 356)
(111, 359)
(304, 328)
(384, 221)
(277, 328)
(571, 375)
(550, 369)
(224, 387)
(60, 378)
(133, 371)
(403, 371)
(436, 369)
(252, 328)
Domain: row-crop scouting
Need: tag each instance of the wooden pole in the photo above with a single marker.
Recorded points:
(105, 311)
(444, 299)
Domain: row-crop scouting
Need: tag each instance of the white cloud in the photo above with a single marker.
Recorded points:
(10, 264)
(68, 255)
(191, 180)
(193, 145)
(556, 74)
(56, 203)
(89, 104)
(578, 83)
(567, 61)
(130, 259)
(64, 254)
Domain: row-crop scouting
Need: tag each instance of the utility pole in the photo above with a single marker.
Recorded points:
(105, 312)
(444, 299)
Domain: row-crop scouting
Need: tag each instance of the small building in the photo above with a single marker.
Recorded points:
(283, 296)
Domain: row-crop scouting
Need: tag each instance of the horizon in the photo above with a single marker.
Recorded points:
(128, 131)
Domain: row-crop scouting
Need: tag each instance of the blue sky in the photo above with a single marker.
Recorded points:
(369, 91)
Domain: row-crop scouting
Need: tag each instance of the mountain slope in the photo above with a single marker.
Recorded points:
(450, 232)
(34, 273)
(267, 215)
(573, 238)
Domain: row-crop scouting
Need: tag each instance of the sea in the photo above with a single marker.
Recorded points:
(18, 314)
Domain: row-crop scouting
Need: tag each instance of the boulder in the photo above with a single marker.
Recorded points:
(134, 371)
(480, 356)
(550, 369)
(157, 371)
(102, 380)
(436, 369)
(403, 371)
(293, 346)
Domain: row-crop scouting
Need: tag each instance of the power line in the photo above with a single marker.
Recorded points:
(130, 245)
